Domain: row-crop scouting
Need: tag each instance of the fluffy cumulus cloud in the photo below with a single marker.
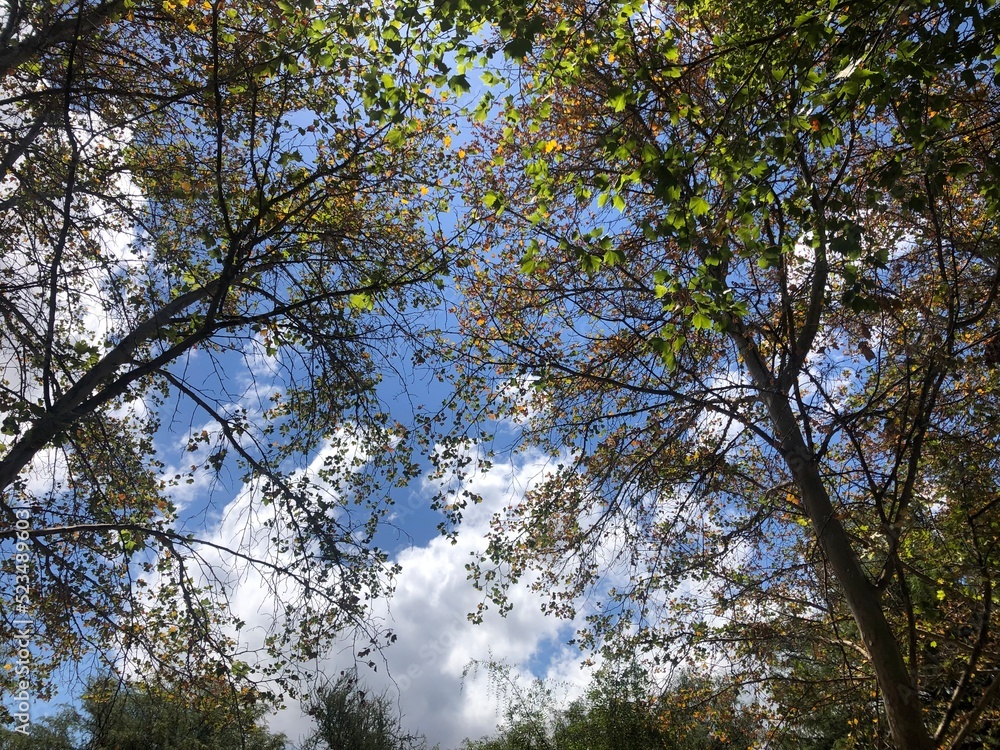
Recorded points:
(424, 670)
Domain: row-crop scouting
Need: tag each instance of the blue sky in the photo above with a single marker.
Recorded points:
(435, 642)
(423, 670)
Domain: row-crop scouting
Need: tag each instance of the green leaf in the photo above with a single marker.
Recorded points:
(362, 301)
(396, 137)
(961, 169)
(618, 102)
(613, 257)
(699, 206)
(490, 78)
(591, 263)
(288, 157)
(701, 321)
(459, 84)
(518, 48)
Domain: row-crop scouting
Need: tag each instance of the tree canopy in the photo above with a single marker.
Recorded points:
(742, 285)
(215, 217)
(350, 715)
(735, 267)
(622, 709)
(205, 714)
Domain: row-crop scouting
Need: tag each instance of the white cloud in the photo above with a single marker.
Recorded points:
(423, 669)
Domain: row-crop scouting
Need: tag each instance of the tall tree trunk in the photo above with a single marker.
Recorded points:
(899, 693)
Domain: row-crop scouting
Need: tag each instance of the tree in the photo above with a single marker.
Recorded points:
(213, 219)
(743, 288)
(134, 716)
(622, 709)
(347, 715)
(50, 733)
(530, 713)
(207, 715)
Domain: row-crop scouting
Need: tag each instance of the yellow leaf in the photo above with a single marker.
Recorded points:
(940, 595)
(461, 153)
(192, 26)
(447, 141)
(423, 190)
(551, 145)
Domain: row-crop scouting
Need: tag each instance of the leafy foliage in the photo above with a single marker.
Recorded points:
(133, 716)
(622, 709)
(347, 715)
(214, 220)
(743, 280)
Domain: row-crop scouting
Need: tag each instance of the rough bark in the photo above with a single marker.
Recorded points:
(900, 696)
